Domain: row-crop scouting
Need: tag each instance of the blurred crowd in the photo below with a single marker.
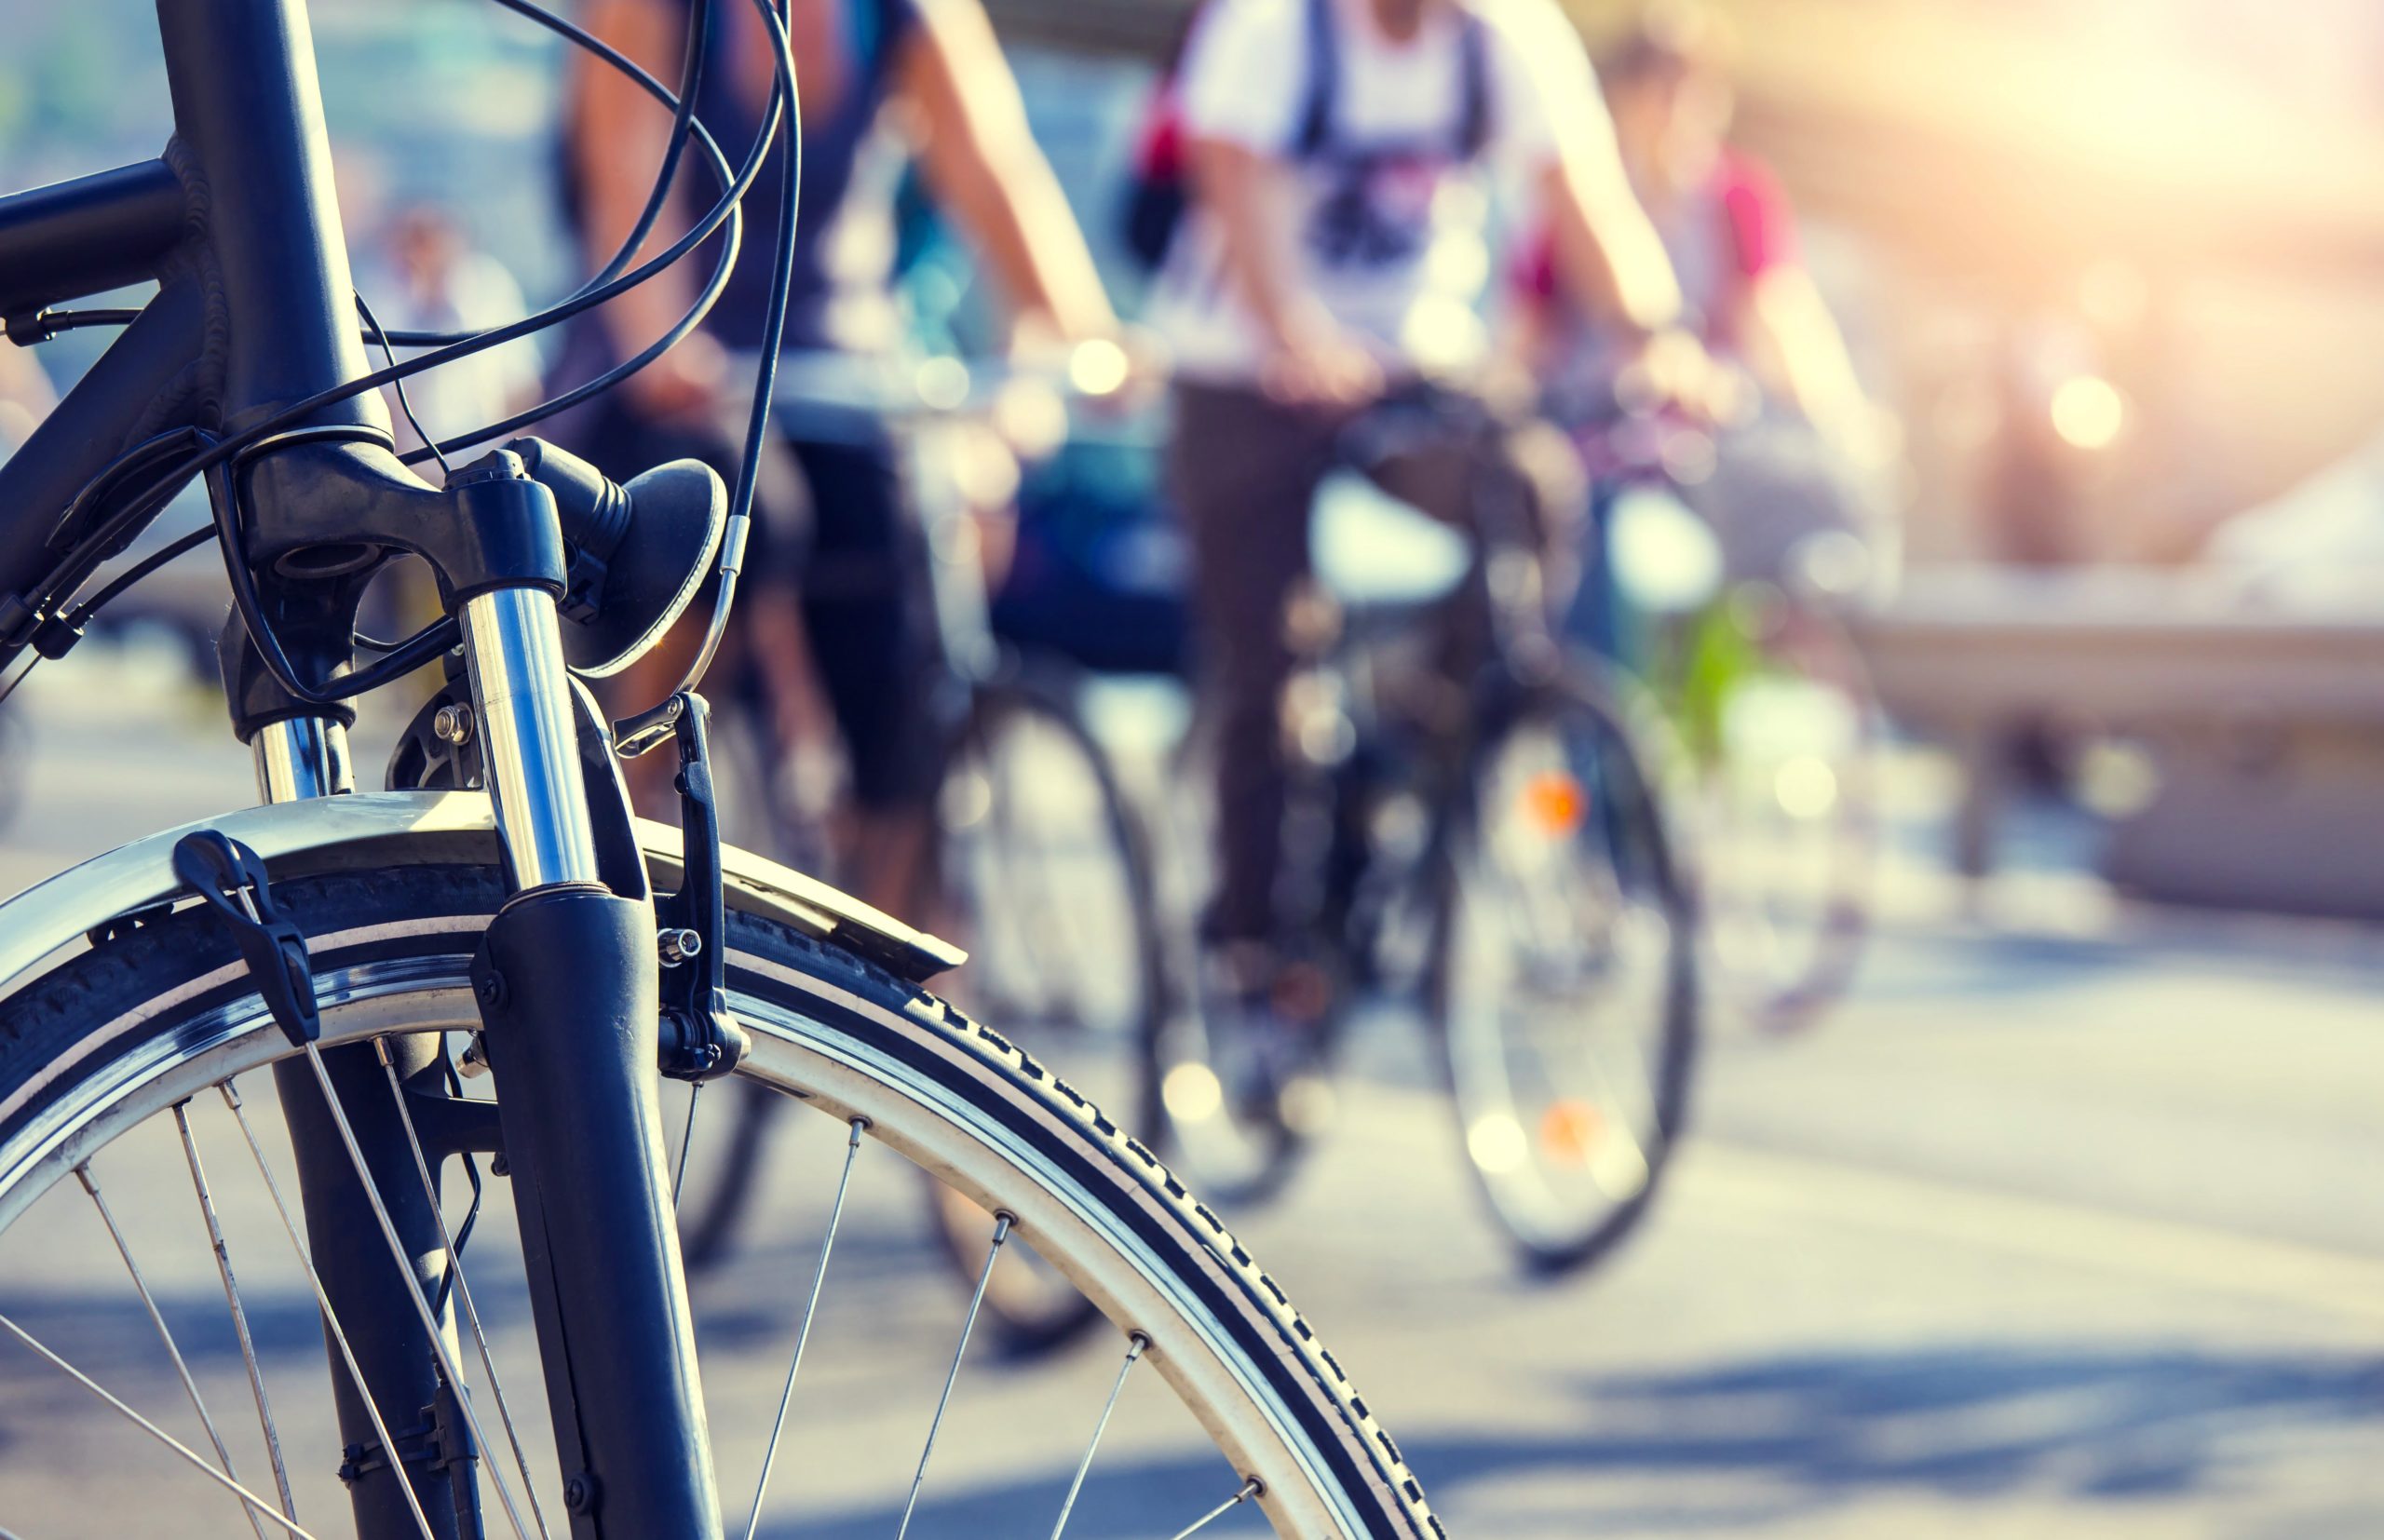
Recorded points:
(1309, 206)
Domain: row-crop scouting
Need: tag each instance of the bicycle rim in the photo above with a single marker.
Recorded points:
(1040, 875)
(903, 1071)
(1564, 982)
(1791, 820)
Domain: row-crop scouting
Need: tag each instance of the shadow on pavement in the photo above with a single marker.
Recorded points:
(1789, 1435)
(1137, 1500)
(1957, 1422)
(1667, 1451)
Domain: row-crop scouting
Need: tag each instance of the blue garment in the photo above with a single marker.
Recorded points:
(833, 142)
(832, 145)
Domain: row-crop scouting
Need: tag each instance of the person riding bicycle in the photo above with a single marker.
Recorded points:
(1807, 438)
(832, 587)
(1335, 231)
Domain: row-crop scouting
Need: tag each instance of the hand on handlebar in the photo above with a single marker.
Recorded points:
(1324, 367)
(1672, 372)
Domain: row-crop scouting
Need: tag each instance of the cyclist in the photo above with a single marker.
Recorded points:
(1730, 234)
(833, 603)
(1332, 147)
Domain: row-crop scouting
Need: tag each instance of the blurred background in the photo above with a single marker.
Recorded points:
(2066, 1220)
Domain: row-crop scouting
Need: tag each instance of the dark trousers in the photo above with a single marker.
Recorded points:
(1244, 471)
(828, 527)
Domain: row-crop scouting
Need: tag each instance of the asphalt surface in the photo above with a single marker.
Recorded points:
(2067, 1224)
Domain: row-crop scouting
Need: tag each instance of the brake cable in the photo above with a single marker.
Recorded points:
(785, 101)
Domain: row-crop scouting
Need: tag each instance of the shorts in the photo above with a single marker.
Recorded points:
(830, 526)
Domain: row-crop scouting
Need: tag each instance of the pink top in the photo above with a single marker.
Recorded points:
(1721, 238)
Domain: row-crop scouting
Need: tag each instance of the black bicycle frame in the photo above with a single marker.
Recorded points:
(254, 313)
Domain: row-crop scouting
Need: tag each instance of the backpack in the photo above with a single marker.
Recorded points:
(1159, 191)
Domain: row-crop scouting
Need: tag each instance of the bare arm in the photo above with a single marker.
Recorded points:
(1795, 349)
(1607, 253)
(617, 135)
(25, 394)
(1248, 196)
(1244, 193)
(985, 167)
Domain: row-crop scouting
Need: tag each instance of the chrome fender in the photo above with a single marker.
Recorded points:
(385, 829)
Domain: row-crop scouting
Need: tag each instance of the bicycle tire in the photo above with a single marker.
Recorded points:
(718, 1198)
(1783, 986)
(153, 1014)
(1243, 1152)
(1622, 795)
(1031, 1316)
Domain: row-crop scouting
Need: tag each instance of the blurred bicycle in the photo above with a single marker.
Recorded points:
(1037, 862)
(1471, 820)
(1726, 595)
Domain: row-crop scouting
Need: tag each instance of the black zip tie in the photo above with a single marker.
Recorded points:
(231, 878)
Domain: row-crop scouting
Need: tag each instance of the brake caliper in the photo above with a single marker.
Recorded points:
(701, 1039)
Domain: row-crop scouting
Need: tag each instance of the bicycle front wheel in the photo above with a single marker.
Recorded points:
(1782, 727)
(128, 1057)
(1564, 978)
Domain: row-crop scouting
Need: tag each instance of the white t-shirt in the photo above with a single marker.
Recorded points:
(1392, 220)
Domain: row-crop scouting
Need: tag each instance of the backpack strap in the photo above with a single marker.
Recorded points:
(1324, 73)
(1315, 134)
(1473, 113)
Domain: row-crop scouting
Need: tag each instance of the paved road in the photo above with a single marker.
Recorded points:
(2071, 1230)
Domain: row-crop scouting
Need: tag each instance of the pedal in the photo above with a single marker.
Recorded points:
(701, 1039)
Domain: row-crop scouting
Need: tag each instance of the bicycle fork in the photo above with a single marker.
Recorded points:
(298, 759)
(566, 986)
(569, 995)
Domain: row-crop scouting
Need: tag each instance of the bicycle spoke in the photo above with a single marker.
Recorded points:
(330, 1317)
(157, 1318)
(255, 1503)
(438, 1348)
(803, 1333)
(238, 1307)
(463, 1288)
(1067, 932)
(1029, 882)
(1250, 1489)
(975, 1303)
(1134, 1346)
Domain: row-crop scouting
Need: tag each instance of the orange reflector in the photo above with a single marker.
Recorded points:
(1569, 1130)
(1554, 802)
